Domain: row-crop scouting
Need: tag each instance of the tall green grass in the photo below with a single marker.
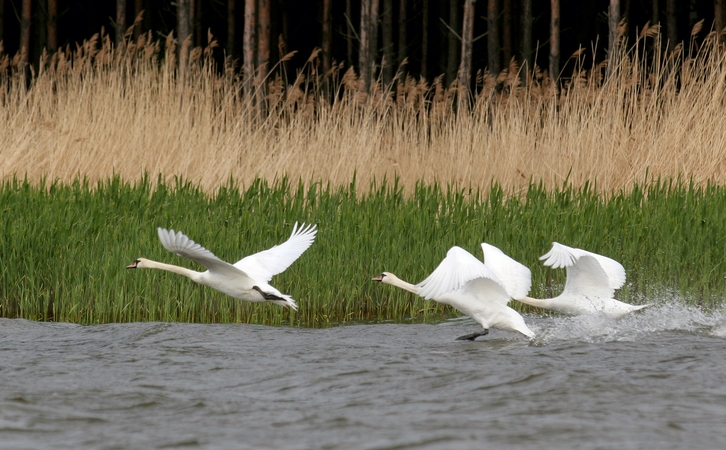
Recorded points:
(64, 247)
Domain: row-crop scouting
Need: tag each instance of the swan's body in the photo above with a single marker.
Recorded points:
(248, 279)
(591, 283)
(465, 283)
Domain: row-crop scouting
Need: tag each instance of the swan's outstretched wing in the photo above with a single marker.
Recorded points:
(181, 245)
(455, 272)
(264, 265)
(516, 278)
(588, 274)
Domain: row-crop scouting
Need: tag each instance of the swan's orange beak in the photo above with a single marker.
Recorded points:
(132, 265)
(378, 278)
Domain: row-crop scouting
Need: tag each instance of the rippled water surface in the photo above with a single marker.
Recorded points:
(652, 380)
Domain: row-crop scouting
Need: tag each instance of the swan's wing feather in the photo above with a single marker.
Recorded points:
(454, 273)
(614, 270)
(588, 273)
(516, 277)
(560, 256)
(180, 244)
(268, 263)
(487, 290)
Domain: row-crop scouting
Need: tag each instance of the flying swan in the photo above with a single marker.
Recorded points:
(591, 283)
(464, 282)
(248, 278)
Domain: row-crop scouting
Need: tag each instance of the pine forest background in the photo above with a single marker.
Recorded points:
(375, 36)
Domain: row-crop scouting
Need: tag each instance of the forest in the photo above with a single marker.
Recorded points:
(380, 38)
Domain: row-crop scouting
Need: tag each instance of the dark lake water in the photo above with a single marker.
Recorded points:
(651, 380)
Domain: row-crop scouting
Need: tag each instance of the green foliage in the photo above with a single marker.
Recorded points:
(64, 247)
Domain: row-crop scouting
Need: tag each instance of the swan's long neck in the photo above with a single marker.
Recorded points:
(395, 281)
(149, 264)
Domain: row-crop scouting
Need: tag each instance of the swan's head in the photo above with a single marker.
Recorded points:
(140, 263)
(384, 277)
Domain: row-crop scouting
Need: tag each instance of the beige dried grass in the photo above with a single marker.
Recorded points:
(97, 111)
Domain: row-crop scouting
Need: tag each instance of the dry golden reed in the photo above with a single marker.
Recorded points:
(96, 111)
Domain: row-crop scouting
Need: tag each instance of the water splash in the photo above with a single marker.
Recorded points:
(670, 315)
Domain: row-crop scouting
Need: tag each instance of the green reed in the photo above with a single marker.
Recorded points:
(64, 248)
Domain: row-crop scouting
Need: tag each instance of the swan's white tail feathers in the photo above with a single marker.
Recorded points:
(286, 301)
(639, 307)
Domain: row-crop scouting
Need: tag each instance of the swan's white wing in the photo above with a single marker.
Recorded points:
(588, 274)
(516, 277)
(264, 265)
(181, 245)
(487, 290)
(455, 272)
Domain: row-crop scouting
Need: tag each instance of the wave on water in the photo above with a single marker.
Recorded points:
(667, 316)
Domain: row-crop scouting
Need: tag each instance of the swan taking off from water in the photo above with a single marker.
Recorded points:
(591, 283)
(464, 282)
(248, 278)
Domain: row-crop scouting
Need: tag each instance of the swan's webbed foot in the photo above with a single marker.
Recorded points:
(472, 336)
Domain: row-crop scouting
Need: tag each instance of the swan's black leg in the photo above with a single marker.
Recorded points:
(472, 336)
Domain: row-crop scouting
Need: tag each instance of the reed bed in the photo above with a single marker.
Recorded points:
(101, 145)
(98, 111)
(66, 245)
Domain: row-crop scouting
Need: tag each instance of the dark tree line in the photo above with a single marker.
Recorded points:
(452, 38)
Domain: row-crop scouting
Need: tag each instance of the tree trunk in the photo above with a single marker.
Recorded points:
(2, 19)
(364, 50)
(425, 39)
(373, 36)
(25, 16)
(263, 52)
(231, 27)
(719, 14)
(453, 61)
(39, 39)
(402, 37)
(283, 37)
(671, 23)
(182, 16)
(349, 28)
(263, 35)
(368, 40)
(467, 38)
(493, 36)
(389, 61)
(526, 37)
(203, 37)
(327, 35)
(248, 45)
(555, 39)
(182, 30)
(507, 31)
(654, 18)
(194, 25)
(120, 22)
(52, 24)
(138, 28)
(625, 17)
(613, 20)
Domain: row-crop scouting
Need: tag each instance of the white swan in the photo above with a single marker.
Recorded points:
(591, 283)
(248, 278)
(464, 282)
